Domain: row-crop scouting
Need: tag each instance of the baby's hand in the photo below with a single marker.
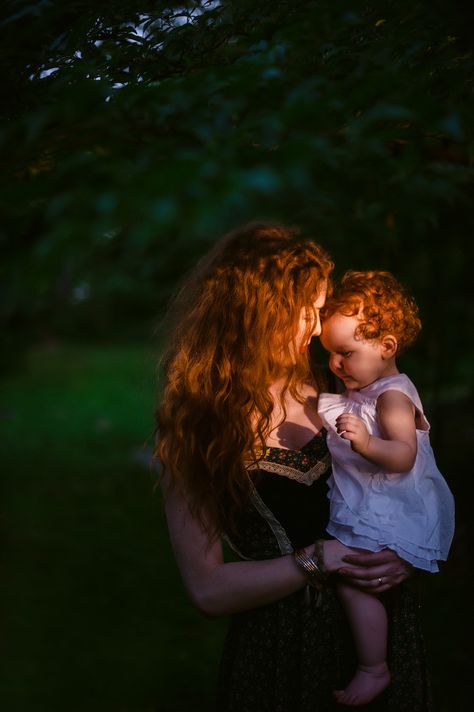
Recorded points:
(352, 428)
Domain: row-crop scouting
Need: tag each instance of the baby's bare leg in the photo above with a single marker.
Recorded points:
(368, 622)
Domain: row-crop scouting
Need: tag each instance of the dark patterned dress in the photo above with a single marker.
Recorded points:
(289, 656)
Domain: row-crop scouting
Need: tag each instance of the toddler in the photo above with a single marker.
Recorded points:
(386, 490)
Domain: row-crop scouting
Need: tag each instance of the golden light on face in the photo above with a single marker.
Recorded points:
(355, 360)
(309, 322)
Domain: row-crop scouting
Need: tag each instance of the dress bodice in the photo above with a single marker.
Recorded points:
(288, 507)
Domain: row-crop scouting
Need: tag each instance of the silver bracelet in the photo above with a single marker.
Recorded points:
(313, 566)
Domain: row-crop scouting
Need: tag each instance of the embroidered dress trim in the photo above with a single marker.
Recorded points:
(279, 532)
(304, 465)
(305, 478)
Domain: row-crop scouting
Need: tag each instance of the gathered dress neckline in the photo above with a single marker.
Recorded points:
(304, 465)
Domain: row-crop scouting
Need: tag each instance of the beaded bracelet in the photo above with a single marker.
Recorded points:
(313, 566)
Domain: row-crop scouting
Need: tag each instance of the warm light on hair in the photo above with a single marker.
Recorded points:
(381, 302)
(231, 334)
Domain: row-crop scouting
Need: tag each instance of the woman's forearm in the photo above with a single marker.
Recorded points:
(217, 587)
(242, 585)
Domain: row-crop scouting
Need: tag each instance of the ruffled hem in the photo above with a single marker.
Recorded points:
(420, 557)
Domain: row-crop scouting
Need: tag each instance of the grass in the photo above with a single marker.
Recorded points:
(95, 614)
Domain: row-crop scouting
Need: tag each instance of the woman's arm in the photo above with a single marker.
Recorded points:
(217, 587)
(395, 451)
(220, 588)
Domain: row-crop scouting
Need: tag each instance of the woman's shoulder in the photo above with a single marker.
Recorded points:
(309, 390)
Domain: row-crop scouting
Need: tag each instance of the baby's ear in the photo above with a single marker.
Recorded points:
(389, 346)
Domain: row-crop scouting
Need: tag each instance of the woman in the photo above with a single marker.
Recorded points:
(245, 460)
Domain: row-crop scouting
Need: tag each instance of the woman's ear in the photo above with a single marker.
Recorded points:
(389, 346)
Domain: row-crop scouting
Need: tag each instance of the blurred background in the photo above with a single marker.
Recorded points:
(133, 135)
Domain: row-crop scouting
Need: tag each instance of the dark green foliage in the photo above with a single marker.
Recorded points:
(125, 163)
(120, 168)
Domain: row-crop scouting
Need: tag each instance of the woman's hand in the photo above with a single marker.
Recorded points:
(374, 572)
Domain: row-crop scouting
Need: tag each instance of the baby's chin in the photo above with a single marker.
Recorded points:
(350, 382)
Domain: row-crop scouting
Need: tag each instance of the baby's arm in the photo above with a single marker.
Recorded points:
(395, 451)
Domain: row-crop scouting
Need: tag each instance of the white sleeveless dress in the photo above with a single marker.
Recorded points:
(411, 512)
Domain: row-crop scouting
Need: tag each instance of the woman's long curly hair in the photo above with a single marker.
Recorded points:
(232, 333)
(383, 305)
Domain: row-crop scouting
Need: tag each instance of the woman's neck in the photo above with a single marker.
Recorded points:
(299, 422)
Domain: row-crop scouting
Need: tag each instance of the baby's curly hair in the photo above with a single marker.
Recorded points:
(383, 304)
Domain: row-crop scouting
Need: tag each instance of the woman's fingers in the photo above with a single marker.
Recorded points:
(378, 585)
(370, 571)
(376, 578)
(375, 571)
(370, 559)
(335, 554)
(369, 575)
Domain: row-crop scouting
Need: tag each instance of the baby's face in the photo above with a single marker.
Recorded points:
(354, 360)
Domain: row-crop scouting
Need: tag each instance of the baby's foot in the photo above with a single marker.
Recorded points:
(367, 683)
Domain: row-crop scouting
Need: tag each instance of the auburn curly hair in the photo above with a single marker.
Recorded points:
(232, 332)
(382, 303)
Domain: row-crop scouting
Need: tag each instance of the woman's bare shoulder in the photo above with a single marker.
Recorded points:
(309, 390)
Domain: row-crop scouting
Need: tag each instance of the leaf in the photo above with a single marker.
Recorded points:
(452, 126)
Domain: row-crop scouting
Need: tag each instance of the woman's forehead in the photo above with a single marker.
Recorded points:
(320, 298)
